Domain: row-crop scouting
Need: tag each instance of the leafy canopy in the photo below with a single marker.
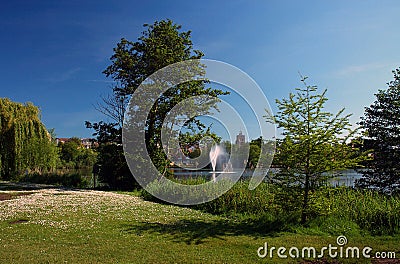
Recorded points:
(381, 122)
(161, 44)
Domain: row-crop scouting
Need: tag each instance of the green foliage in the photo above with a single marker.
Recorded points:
(349, 210)
(240, 200)
(313, 143)
(371, 210)
(74, 180)
(86, 158)
(106, 132)
(189, 143)
(254, 152)
(167, 187)
(381, 122)
(25, 143)
(331, 210)
(74, 155)
(113, 169)
(331, 225)
(70, 150)
(161, 44)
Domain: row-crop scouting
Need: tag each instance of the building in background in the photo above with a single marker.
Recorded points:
(86, 142)
(240, 139)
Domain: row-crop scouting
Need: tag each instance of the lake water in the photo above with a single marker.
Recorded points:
(345, 178)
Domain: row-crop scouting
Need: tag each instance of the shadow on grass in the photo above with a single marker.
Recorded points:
(22, 186)
(28, 186)
(195, 231)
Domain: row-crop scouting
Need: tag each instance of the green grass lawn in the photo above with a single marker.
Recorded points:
(61, 226)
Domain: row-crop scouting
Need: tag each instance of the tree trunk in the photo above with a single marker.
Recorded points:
(305, 200)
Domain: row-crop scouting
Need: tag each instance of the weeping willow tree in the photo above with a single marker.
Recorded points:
(25, 143)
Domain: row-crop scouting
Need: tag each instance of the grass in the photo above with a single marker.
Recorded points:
(365, 210)
(62, 226)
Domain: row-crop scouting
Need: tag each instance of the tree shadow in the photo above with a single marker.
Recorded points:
(28, 186)
(197, 231)
(22, 186)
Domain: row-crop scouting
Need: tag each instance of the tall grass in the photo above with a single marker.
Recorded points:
(368, 210)
(371, 210)
(240, 200)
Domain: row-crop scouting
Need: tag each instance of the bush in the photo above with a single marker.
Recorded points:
(67, 180)
(113, 169)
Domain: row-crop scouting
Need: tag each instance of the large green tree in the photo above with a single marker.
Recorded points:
(161, 44)
(381, 122)
(313, 143)
(25, 143)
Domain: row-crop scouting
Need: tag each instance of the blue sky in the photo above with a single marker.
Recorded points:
(53, 52)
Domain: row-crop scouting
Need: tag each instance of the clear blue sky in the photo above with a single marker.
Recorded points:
(53, 52)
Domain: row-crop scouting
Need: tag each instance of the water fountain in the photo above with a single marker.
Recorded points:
(218, 157)
(215, 152)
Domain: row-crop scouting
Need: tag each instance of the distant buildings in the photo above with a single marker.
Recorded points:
(61, 140)
(240, 139)
(86, 142)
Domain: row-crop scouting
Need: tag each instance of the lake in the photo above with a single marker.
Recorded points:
(346, 178)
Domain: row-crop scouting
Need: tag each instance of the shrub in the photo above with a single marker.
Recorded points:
(67, 180)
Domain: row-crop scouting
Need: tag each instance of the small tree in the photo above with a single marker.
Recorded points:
(382, 126)
(313, 143)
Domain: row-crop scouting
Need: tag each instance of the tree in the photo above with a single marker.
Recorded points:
(25, 143)
(161, 44)
(113, 106)
(74, 155)
(254, 152)
(381, 122)
(70, 150)
(313, 142)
